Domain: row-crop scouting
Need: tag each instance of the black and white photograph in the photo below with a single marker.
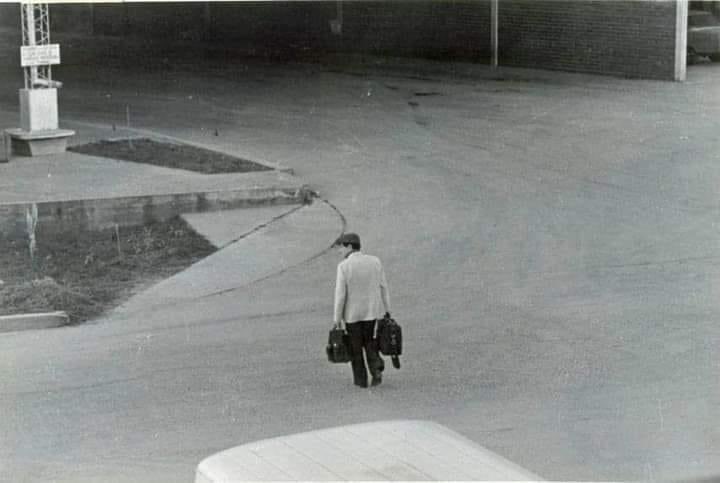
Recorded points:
(359, 240)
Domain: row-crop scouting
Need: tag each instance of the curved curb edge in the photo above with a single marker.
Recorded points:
(315, 256)
(33, 321)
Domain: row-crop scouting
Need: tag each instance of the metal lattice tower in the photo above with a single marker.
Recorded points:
(36, 31)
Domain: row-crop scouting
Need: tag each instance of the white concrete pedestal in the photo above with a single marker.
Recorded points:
(38, 134)
(38, 109)
(36, 143)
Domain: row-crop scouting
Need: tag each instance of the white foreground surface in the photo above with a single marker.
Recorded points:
(384, 450)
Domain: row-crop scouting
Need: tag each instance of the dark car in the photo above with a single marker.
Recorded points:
(703, 35)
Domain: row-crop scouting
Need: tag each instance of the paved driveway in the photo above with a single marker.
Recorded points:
(551, 244)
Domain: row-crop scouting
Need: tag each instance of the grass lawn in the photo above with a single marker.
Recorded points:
(87, 273)
(169, 155)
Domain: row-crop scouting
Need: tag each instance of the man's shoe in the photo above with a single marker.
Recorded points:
(376, 380)
(362, 385)
(396, 362)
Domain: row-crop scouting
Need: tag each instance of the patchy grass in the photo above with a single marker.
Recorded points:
(169, 155)
(85, 274)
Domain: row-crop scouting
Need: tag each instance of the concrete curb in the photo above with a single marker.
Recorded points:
(96, 214)
(43, 320)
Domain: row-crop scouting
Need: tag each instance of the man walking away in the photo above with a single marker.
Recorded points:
(361, 297)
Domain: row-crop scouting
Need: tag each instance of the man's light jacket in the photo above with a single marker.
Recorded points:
(361, 290)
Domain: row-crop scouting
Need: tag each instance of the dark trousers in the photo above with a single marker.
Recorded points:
(361, 337)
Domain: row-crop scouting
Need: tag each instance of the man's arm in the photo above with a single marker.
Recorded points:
(340, 297)
(384, 290)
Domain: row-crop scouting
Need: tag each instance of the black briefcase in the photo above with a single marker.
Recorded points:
(338, 346)
(389, 334)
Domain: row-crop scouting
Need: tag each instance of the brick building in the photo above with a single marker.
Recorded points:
(643, 39)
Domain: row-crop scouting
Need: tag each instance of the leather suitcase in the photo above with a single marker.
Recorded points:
(338, 346)
(389, 335)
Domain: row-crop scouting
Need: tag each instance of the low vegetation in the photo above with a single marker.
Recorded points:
(169, 155)
(87, 273)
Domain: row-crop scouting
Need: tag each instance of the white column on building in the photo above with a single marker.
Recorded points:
(681, 19)
(494, 7)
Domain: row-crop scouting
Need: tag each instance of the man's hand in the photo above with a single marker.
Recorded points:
(338, 325)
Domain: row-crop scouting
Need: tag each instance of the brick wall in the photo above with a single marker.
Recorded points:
(424, 28)
(458, 29)
(625, 38)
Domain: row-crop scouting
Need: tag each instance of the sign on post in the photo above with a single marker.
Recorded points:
(37, 55)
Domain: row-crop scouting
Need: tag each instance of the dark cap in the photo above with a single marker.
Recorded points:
(348, 239)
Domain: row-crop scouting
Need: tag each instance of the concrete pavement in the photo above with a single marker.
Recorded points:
(282, 225)
(288, 239)
(550, 241)
(72, 176)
